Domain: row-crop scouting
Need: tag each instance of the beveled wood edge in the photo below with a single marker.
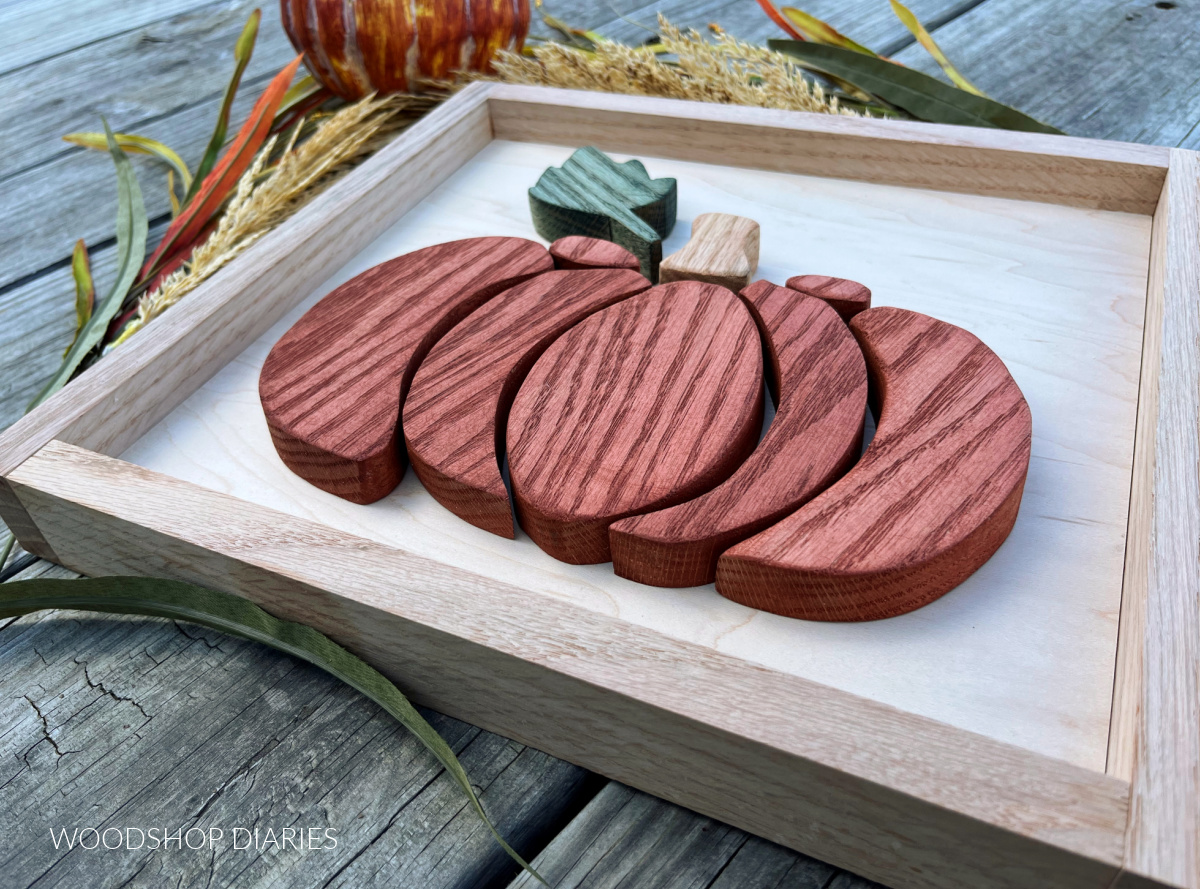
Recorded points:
(999, 163)
(1127, 679)
(1163, 842)
(858, 777)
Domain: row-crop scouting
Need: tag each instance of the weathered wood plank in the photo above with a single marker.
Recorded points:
(37, 321)
(45, 209)
(627, 838)
(868, 21)
(30, 31)
(134, 77)
(125, 722)
(1099, 68)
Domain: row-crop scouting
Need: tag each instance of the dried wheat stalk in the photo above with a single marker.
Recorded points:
(725, 70)
(264, 198)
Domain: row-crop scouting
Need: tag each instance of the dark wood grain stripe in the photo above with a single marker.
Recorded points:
(457, 407)
(332, 387)
(647, 403)
(930, 501)
(820, 381)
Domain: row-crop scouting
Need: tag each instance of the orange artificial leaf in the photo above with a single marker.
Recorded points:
(225, 175)
(774, 14)
(819, 32)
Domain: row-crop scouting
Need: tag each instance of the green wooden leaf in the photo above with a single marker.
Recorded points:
(135, 144)
(922, 96)
(593, 195)
(242, 50)
(131, 248)
(926, 40)
(176, 600)
(85, 289)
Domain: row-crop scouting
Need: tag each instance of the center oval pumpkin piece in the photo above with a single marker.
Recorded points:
(645, 404)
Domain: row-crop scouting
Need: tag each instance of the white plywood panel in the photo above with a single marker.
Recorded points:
(1023, 651)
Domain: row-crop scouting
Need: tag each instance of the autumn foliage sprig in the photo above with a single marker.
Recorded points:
(195, 214)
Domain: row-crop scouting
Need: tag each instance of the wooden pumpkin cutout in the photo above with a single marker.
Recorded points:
(932, 499)
(647, 403)
(593, 195)
(723, 249)
(820, 381)
(455, 412)
(332, 386)
(847, 297)
(578, 252)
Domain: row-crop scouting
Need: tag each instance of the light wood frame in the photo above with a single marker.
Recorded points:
(891, 795)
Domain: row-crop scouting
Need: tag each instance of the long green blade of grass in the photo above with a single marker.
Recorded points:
(131, 249)
(922, 96)
(157, 597)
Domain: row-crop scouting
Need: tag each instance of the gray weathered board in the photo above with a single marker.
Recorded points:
(175, 724)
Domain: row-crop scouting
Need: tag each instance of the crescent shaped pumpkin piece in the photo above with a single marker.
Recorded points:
(821, 383)
(644, 404)
(931, 500)
(332, 386)
(456, 409)
(578, 252)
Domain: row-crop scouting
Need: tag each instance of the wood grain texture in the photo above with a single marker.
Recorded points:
(1026, 166)
(578, 252)
(866, 21)
(1164, 822)
(800, 763)
(644, 404)
(139, 722)
(847, 298)
(820, 381)
(333, 386)
(148, 76)
(593, 195)
(1055, 588)
(1103, 69)
(457, 408)
(624, 838)
(723, 249)
(933, 497)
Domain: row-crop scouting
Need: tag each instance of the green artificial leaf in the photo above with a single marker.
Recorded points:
(926, 40)
(85, 289)
(922, 96)
(819, 32)
(135, 144)
(131, 247)
(242, 50)
(176, 600)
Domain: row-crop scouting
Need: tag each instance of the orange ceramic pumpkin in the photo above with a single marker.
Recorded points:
(355, 47)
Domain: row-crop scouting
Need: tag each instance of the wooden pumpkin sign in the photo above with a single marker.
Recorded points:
(631, 415)
(356, 47)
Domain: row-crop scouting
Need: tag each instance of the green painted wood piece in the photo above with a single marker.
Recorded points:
(593, 195)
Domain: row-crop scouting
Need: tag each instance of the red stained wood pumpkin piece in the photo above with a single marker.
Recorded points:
(455, 412)
(820, 379)
(847, 297)
(647, 403)
(579, 252)
(332, 387)
(932, 499)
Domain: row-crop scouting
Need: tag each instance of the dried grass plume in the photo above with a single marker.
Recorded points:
(266, 196)
(724, 70)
